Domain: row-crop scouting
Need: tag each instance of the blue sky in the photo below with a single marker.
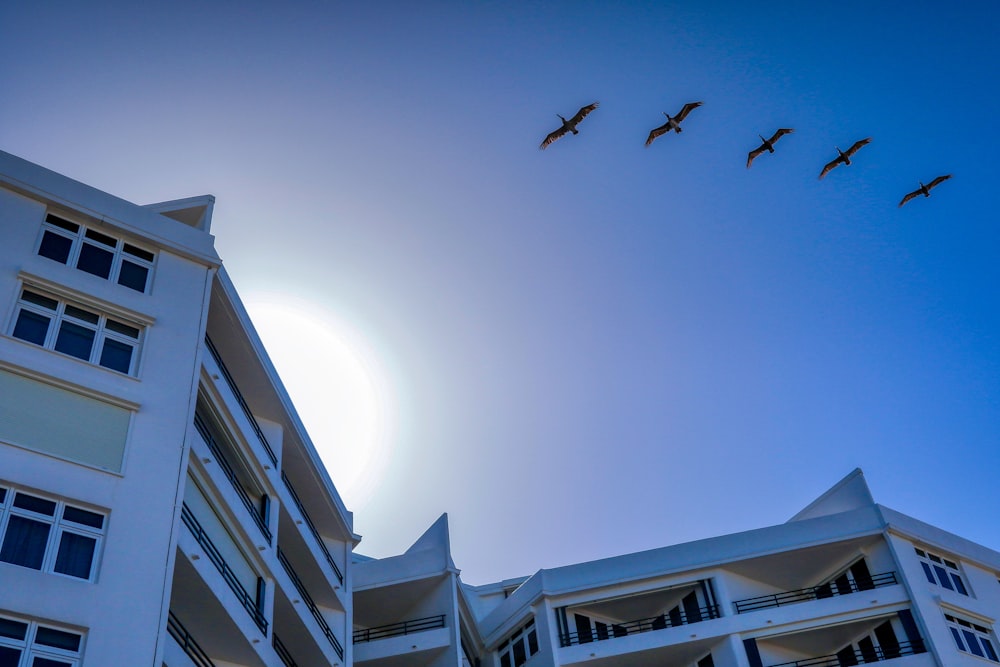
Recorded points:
(600, 347)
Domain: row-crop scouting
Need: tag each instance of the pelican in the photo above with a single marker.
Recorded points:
(844, 157)
(673, 123)
(767, 144)
(568, 125)
(924, 190)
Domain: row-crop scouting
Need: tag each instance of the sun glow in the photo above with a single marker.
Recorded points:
(337, 386)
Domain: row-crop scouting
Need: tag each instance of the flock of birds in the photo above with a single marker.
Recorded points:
(674, 123)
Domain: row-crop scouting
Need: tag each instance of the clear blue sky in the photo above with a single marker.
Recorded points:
(601, 347)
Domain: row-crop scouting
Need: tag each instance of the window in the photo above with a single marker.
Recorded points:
(941, 571)
(96, 253)
(972, 638)
(26, 643)
(79, 331)
(521, 645)
(48, 535)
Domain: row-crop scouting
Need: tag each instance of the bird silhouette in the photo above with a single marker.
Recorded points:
(673, 122)
(767, 144)
(844, 157)
(924, 190)
(568, 125)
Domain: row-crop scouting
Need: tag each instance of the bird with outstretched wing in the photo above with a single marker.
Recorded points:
(844, 157)
(924, 190)
(673, 122)
(767, 144)
(568, 125)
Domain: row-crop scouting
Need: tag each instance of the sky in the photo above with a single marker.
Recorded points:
(597, 348)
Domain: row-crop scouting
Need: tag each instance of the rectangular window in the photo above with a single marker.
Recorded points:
(76, 330)
(49, 535)
(515, 650)
(26, 643)
(95, 253)
(972, 638)
(941, 571)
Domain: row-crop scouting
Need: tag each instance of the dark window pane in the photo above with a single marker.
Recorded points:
(3, 495)
(50, 662)
(83, 517)
(936, 559)
(95, 260)
(928, 573)
(519, 656)
(958, 638)
(133, 275)
(13, 629)
(35, 504)
(123, 329)
(504, 660)
(116, 356)
(101, 238)
(973, 643)
(68, 641)
(56, 221)
(988, 647)
(31, 327)
(24, 543)
(75, 340)
(533, 640)
(9, 657)
(959, 585)
(943, 577)
(950, 564)
(81, 314)
(39, 300)
(55, 247)
(76, 553)
(138, 252)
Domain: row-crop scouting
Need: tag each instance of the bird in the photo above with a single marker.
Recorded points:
(924, 190)
(768, 144)
(568, 125)
(673, 123)
(844, 157)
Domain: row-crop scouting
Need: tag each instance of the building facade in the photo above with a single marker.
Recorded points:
(162, 504)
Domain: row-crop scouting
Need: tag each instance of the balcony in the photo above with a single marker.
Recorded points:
(841, 587)
(859, 656)
(312, 528)
(311, 605)
(604, 631)
(187, 643)
(398, 629)
(245, 599)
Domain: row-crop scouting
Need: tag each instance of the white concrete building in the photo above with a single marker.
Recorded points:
(161, 504)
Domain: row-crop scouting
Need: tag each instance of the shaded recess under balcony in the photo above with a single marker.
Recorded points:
(607, 654)
(842, 585)
(296, 643)
(634, 614)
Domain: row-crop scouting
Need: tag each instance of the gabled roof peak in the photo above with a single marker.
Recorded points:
(193, 211)
(850, 493)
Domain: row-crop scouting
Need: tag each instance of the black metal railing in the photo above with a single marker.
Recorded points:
(312, 527)
(239, 399)
(612, 630)
(248, 602)
(307, 599)
(815, 592)
(874, 654)
(227, 470)
(187, 642)
(398, 629)
(279, 648)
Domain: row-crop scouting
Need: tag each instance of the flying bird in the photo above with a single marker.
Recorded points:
(568, 125)
(924, 190)
(673, 122)
(844, 157)
(768, 144)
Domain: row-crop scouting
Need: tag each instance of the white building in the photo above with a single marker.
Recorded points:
(161, 504)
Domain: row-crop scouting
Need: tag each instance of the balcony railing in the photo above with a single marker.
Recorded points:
(239, 399)
(815, 592)
(875, 654)
(279, 648)
(312, 527)
(300, 587)
(613, 630)
(187, 642)
(227, 470)
(398, 629)
(248, 602)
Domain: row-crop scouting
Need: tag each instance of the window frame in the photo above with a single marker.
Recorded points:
(962, 628)
(507, 650)
(942, 572)
(58, 526)
(107, 329)
(31, 648)
(88, 239)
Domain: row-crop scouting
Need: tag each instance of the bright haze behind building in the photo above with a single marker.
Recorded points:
(599, 338)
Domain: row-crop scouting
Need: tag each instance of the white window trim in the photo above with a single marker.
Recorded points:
(935, 563)
(980, 628)
(30, 650)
